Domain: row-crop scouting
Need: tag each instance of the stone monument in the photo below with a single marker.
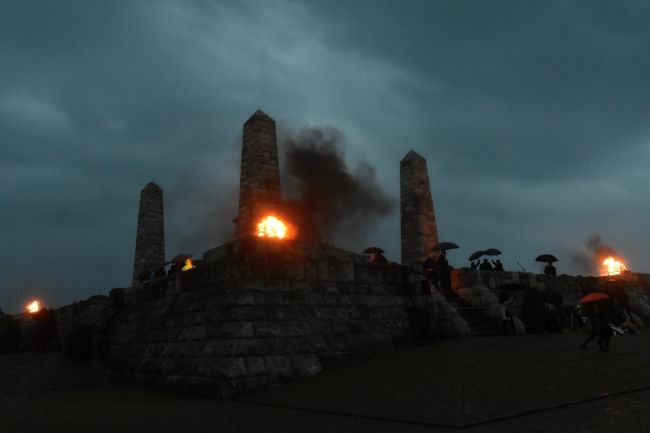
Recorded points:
(259, 187)
(419, 232)
(150, 238)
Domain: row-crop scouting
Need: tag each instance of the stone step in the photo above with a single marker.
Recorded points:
(479, 323)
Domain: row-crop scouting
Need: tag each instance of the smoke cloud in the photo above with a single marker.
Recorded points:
(343, 203)
(587, 257)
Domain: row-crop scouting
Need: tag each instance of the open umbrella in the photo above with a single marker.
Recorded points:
(546, 258)
(492, 252)
(594, 297)
(373, 250)
(443, 246)
(475, 255)
(180, 258)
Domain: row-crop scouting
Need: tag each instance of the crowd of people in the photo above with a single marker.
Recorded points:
(541, 310)
(485, 265)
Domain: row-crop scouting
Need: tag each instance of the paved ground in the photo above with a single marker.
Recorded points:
(542, 383)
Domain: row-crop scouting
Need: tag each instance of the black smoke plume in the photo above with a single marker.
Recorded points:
(594, 250)
(343, 204)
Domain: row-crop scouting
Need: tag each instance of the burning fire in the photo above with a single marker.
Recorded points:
(272, 227)
(188, 265)
(34, 307)
(613, 266)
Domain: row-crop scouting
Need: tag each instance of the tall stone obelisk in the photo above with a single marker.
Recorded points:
(419, 232)
(150, 238)
(259, 184)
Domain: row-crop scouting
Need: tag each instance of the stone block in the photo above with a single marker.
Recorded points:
(277, 285)
(270, 298)
(236, 330)
(239, 299)
(339, 327)
(320, 327)
(255, 365)
(301, 286)
(224, 367)
(306, 365)
(330, 300)
(268, 329)
(246, 313)
(216, 348)
(279, 368)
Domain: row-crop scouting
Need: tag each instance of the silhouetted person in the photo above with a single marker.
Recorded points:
(594, 325)
(444, 272)
(142, 276)
(550, 269)
(554, 310)
(430, 270)
(475, 264)
(604, 330)
(378, 258)
(176, 268)
(485, 266)
(506, 314)
(498, 266)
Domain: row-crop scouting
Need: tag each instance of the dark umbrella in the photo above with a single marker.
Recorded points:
(492, 252)
(547, 258)
(443, 246)
(476, 255)
(594, 297)
(512, 287)
(373, 250)
(180, 258)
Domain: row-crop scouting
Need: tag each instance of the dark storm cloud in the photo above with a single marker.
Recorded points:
(532, 115)
(559, 81)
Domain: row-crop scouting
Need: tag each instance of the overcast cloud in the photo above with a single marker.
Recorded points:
(533, 117)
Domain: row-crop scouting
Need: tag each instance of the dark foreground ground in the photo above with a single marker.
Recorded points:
(542, 383)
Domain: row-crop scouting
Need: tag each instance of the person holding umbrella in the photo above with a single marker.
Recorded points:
(444, 270)
(430, 269)
(475, 256)
(549, 259)
(598, 320)
(485, 266)
(376, 255)
(550, 269)
(497, 265)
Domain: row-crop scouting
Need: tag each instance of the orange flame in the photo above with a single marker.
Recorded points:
(188, 265)
(272, 227)
(34, 307)
(613, 266)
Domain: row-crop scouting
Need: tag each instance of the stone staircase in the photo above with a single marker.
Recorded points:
(480, 324)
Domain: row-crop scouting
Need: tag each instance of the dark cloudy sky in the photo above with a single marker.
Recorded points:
(533, 116)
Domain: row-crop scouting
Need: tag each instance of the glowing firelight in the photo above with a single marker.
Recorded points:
(613, 266)
(188, 265)
(34, 307)
(271, 227)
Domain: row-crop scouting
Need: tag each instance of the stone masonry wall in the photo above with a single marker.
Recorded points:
(260, 312)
